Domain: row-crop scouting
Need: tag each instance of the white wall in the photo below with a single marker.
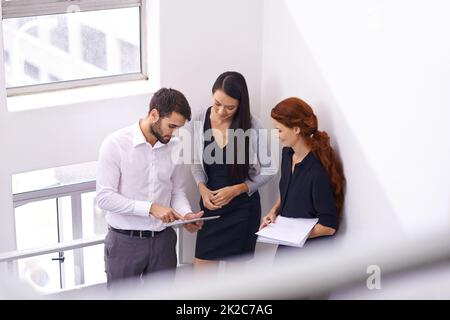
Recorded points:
(377, 74)
(199, 40)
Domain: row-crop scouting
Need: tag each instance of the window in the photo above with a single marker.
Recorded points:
(93, 44)
(128, 50)
(54, 206)
(31, 30)
(54, 44)
(59, 35)
(53, 78)
(31, 70)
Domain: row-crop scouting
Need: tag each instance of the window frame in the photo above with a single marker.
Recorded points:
(31, 8)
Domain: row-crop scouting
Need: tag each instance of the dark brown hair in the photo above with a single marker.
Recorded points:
(169, 100)
(233, 84)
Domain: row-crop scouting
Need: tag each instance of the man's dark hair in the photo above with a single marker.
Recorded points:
(169, 100)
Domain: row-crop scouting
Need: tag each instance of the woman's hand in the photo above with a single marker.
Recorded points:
(206, 197)
(320, 231)
(223, 196)
(268, 219)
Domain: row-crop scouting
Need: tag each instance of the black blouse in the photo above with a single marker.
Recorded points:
(306, 193)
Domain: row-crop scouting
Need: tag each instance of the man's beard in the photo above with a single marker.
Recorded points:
(155, 129)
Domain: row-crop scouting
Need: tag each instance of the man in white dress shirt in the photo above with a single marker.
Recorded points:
(141, 189)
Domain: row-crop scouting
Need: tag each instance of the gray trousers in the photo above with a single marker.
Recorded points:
(129, 257)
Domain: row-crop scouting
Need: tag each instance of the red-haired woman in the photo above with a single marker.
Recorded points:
(312, 179)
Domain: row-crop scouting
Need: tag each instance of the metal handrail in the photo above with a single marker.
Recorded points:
(52, 192)
(65, 246)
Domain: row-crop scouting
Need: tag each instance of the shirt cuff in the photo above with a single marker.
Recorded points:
(184, 211)
(252, 187)
(142, 208)
(199, 179)
(199, 176)
(329, 221)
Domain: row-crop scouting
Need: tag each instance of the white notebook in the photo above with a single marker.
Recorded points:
(287, 231)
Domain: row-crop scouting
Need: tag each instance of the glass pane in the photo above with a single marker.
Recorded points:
(65, 219)
(36, 226)
(69, 271)
(94, 222)
(59, 35)
(53, 177)
(68, 268)
(72, 46)
(94, 265)
(41, 272)
(127, 50)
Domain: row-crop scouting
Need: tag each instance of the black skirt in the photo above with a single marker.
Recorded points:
(233, 234)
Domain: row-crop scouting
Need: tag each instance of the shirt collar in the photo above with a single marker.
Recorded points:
(139, 138)
(307, 161)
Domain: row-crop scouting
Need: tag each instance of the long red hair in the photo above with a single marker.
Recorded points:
(294, 112)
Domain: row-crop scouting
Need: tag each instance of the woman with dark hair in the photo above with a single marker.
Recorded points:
(312, 179)
(226, 174)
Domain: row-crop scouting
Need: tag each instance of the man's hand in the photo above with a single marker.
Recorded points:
(194, 226)
(165, 214)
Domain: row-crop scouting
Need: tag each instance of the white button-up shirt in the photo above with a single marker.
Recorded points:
(131, 175)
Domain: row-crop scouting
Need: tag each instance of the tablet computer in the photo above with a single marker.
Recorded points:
(177, 223)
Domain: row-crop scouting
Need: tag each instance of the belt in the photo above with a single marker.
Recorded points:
(142, 234)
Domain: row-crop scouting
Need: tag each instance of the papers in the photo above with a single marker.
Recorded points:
(178, 223)
(287, 231)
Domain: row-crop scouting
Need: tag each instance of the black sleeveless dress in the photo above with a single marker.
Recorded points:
(234, 232)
